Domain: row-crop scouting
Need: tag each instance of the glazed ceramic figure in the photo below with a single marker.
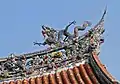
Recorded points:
(81, 28)
(65, 32)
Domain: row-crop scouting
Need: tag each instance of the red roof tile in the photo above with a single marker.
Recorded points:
(91, 74)
(82, 74)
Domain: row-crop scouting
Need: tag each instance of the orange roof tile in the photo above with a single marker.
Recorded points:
(82, 74)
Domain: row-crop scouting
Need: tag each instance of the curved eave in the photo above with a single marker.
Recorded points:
(91, 72)
(103, 68)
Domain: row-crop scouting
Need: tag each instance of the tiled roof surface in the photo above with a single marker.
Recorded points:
(92, 72)
(89, 71)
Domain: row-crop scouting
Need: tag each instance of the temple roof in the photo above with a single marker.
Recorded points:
(72, 62)
(89, 72)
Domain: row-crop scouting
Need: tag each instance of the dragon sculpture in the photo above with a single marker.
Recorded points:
(65, 50)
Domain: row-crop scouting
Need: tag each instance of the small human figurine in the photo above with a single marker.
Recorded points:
(1, 69)
(10, 64)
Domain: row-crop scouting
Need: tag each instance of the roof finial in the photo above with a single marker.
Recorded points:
(105, 11)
